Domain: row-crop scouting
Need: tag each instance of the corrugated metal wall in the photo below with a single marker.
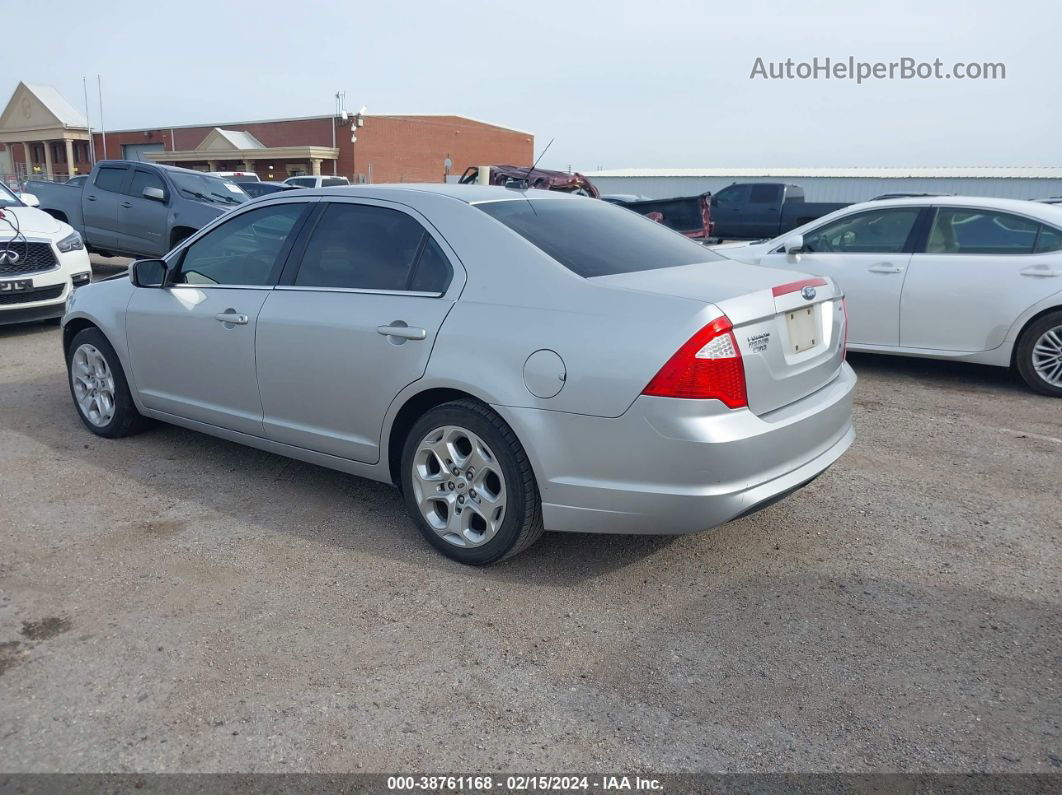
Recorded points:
(838, 189)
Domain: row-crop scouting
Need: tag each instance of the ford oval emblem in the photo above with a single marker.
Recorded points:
(808, 293)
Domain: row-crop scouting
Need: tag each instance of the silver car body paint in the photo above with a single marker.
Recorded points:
(606, 457)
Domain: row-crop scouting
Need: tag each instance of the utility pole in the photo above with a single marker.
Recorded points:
(103, 128)
(88, 121)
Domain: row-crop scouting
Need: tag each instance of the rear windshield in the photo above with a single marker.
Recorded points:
(595, 238)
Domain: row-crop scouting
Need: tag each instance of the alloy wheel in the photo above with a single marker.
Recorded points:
(1047, 356)
(93, 385)
(459, 486)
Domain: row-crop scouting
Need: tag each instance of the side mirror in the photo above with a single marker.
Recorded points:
(794, 245)
(29, 199)
(149, 272)
(155, 194)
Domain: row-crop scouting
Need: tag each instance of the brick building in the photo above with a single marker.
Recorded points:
(46, 137)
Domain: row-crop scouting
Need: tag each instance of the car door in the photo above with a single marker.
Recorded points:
(866, 253)
(192, 341)
(351, 325)
(142, 215)
(728, 211)
(764, 210)
(99, 207)
(977, 272)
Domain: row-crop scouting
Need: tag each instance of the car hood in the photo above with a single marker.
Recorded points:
(30, 221)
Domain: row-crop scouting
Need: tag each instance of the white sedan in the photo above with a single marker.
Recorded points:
(42, 260)
(947, 277)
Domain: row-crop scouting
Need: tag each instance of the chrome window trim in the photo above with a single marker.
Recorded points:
(307, 289)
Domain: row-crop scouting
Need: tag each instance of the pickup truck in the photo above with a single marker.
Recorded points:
(134, 209)
(690, 215)
(758, 210)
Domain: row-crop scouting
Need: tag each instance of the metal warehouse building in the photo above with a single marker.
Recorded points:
(839, 184)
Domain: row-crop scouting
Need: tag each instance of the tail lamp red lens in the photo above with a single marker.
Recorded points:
(708, 366)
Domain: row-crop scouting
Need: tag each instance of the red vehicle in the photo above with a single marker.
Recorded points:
(690, 215)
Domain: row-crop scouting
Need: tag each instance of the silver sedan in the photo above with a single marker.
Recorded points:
(514, 361)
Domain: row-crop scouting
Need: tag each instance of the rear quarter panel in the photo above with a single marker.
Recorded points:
(56, 197)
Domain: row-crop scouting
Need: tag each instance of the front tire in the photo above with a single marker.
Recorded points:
(468, 484)
(1039, 355)
(98, 386)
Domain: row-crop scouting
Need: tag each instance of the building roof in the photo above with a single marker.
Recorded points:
(241, 139)
(902, 172)
(56, 103)
(424, 118)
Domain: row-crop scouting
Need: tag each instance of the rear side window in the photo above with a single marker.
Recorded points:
(1050, 240)
(595, 238)
(764, 194)
(364, 247)
(961, 231)
(110, 178)
(144, 179)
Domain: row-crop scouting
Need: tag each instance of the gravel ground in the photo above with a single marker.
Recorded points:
(175, 602)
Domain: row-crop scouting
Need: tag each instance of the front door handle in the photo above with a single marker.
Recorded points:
(127, 205)
(230, 317)
(91, 198)
(399, 330)
(1041, 271)
(885, 267)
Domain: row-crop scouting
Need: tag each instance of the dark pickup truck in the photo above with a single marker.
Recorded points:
(134, 209)
(757, 210)
(690, 215)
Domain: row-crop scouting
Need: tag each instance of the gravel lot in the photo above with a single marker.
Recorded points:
(176, 602)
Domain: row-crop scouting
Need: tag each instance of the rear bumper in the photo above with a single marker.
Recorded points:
(678, 466)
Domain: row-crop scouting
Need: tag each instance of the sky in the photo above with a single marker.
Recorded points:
(616, 84)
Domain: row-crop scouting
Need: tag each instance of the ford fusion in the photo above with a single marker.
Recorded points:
(513, 361)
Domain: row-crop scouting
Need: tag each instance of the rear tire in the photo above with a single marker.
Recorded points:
(99, 389)
(1038, 356)
(468, 484)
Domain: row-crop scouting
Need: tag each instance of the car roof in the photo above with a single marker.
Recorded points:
(1019, 206)
(470, 194)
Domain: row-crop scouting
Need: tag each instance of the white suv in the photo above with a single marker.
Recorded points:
(42, 260)
(316, 182)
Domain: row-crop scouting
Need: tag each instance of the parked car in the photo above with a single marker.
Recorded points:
(690, 215)
(134, 209)
(757, 210)
(947, 277)
(256, 189)
(239, 177)
(550, 363)
(316, 182)
(41, 261)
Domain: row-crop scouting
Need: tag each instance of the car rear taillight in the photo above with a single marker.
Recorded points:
(708, 366)
(844, 341)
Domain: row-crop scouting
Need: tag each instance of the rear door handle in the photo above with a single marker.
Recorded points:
(127, 205)
(885, 267)
(231, 317)
(399, 330)
(1041, 271)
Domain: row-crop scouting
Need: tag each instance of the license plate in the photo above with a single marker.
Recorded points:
(803, 329)
(19, 286)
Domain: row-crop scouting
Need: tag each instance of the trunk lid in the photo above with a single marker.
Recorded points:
(791, 341)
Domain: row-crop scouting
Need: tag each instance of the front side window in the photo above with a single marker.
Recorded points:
(876, 232)
(364, 247)
(957, 230)
(764, 194)
(244, 251)
(732, 196)
(302, 182)
(112, 179)
(595, 238)
(144, 179)
(331, 182)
